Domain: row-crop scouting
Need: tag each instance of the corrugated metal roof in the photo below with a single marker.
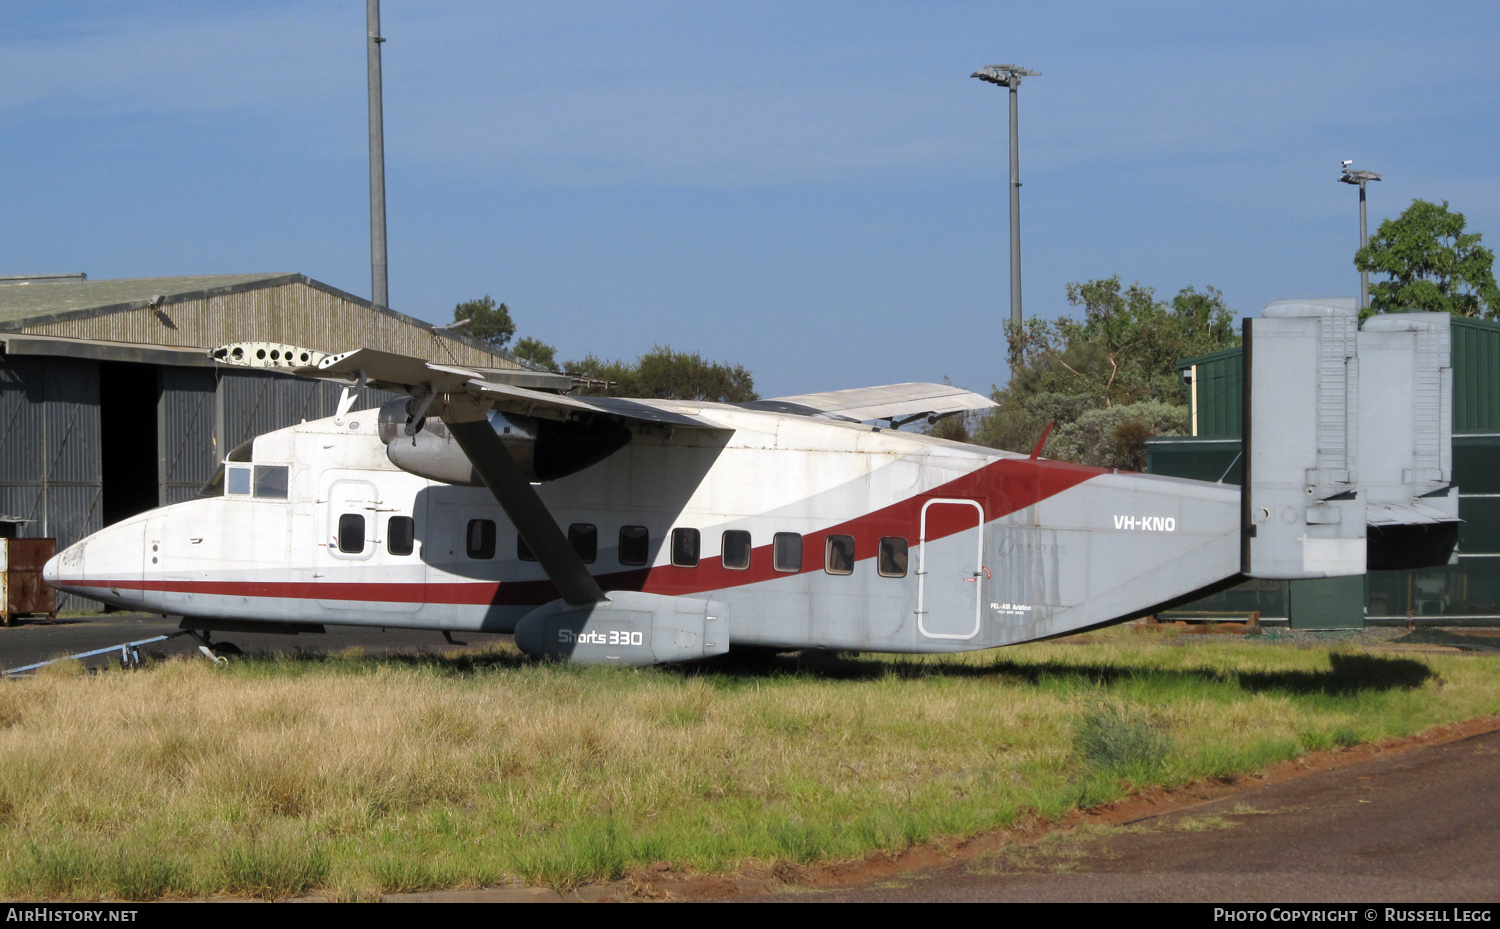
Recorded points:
(207, 310)
(22, 303)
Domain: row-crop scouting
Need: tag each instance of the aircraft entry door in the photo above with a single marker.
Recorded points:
(950, 569)
(355, 569)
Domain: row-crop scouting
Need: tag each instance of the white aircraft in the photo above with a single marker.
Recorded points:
(644, 531)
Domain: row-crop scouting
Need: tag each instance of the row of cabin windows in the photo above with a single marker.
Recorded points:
(634, 550)
(786, 552)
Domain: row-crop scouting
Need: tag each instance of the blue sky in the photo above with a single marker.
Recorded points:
(814, 190)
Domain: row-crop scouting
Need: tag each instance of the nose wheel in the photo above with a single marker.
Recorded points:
(217, 652)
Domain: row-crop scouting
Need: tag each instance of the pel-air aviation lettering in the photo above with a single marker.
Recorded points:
(644, 531)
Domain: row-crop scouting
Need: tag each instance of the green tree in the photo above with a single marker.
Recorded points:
(1108, 380)
(1126, 346)
(537, 352)
(491, 322)
(667, 375)
(1433, 265)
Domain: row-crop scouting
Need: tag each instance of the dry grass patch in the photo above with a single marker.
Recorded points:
(356, 776)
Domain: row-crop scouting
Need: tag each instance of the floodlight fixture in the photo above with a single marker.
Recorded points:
(1360, 179)
(1004, 75)
(1009, 76)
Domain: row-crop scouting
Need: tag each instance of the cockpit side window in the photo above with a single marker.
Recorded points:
(238, 481)
(271, 481)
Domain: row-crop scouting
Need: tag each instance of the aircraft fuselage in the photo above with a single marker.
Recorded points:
(813, 533)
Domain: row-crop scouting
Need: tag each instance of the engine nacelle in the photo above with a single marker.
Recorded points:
(545, 449)
(631, 628)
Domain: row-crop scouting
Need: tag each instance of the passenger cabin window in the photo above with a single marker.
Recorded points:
(634, 545)
(736, 550)
(351, 533)
(838, 554)
(400, 535)
(786, 551)
(523, 551)
(271, 481)
(479, 539)
(892, 560)
(685, 546)
(239, 480)
(584, 537)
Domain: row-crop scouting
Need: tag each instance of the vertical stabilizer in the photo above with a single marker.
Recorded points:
(1303, 517)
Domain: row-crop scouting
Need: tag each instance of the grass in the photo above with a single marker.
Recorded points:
(354, 776)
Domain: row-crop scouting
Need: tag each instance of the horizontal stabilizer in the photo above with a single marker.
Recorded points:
(906, 402)
(1411, 514)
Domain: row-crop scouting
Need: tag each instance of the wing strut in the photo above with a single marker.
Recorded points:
(526, 510)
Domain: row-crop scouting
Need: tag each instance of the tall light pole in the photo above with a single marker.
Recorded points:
(379, 293)
(1010, 76)
(1351, 176)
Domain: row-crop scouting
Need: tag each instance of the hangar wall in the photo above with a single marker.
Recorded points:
(49, 453)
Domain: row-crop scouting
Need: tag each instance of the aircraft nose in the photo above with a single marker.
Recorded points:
(65, 566)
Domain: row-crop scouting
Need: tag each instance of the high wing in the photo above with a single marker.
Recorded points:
(899, 403)
(427, 381)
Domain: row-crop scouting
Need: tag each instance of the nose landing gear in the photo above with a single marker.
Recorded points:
(217, 652)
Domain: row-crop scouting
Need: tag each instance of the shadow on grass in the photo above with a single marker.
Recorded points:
(1346, 673)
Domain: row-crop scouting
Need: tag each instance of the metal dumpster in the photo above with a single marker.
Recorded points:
(22, 590)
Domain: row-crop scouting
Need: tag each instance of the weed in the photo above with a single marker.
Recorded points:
(1119, 739)
(142, 872)
(575, 855)
(275, 865)
(1346, 737)
(1199, 823)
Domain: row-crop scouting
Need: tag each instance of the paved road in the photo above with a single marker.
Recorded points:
(1416, 827)
(26, 643)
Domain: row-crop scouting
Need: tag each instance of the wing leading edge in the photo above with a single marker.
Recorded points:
(899, 403)
(423, 379)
